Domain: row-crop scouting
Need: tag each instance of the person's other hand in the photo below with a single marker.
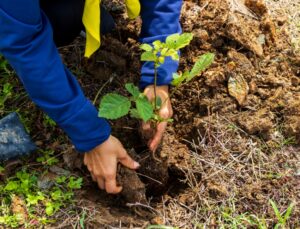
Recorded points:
(102, 163)
(155, 133)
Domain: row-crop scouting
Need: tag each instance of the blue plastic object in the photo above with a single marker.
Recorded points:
(14, 141)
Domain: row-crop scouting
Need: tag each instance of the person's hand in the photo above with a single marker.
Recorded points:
(155, 133)
(102, 163)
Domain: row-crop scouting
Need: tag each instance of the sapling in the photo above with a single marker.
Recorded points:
(114, 106)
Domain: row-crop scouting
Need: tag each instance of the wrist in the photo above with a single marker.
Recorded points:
(98, 147)
(164, 88)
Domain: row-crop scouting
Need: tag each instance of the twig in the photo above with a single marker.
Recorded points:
(143, 175)
(98, 93)
(142, 205)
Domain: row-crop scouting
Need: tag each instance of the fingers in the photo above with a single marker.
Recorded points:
(108, 183)
(101, 183)
(155, 141)
(111, 186)
(102, 163)
(127, 161)
(93, 177)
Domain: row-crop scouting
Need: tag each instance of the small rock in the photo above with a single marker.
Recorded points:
(59, 171)
(295, 81)
(201, 34)
(46, 181)
(73, 159)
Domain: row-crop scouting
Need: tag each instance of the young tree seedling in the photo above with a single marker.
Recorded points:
(114, 106)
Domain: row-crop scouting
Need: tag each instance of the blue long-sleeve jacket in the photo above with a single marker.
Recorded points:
(26, 41)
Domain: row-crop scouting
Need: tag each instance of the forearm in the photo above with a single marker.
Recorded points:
(160, 19)
(30, 49)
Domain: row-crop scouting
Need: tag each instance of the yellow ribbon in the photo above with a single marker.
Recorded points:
(91, 21)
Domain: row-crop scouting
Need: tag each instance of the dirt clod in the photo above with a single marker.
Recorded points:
(133, 189)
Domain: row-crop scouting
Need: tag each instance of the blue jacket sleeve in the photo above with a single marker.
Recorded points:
(160, 19)
(27, 43)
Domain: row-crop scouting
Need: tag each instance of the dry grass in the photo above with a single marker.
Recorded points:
(239, 177)
(291, 10)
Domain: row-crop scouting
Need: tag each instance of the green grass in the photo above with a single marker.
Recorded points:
(39, 204)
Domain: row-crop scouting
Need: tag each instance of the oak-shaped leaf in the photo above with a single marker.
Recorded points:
(134, 113)
(201, 64)
(144, 108)
(172, 40)
(133, 90)
(148, 56)
(184, 40)
(146, 47)
(114, 106)
(177, 41)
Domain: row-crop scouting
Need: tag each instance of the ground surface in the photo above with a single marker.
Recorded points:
(289, 10)
(234, 142)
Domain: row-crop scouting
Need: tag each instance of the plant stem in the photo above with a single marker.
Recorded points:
(155, 84)
(98, 93)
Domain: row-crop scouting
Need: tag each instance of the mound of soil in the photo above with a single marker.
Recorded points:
(230, 124)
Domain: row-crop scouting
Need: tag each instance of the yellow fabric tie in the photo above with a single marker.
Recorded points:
(91, 21)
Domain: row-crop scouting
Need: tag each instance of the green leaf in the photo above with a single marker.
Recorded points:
(7, 89)
(49, 209)
(161, 227)
(288, 213)
(184, 40)
(52, 160)
(144, 108)
(173, 54)
(172, 40)
(158, 102)
(114, 106)
(135, 114)
(133, 90)
(164, 51)
(157, 44)
(75, 183)
(12, 185)
(201, 64)
(81, 221)
(57, 194)
(61, 179)
(34, 199)
(177, 79)
(276, 211)
(146, 47)
(177, 41)
(148, 56)
(161, 60)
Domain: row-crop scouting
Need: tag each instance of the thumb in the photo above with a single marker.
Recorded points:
(127, 161)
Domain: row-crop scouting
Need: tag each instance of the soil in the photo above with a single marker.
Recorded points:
(230, 144)
(252, 50)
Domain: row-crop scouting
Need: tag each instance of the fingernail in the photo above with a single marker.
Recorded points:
(136, 165)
